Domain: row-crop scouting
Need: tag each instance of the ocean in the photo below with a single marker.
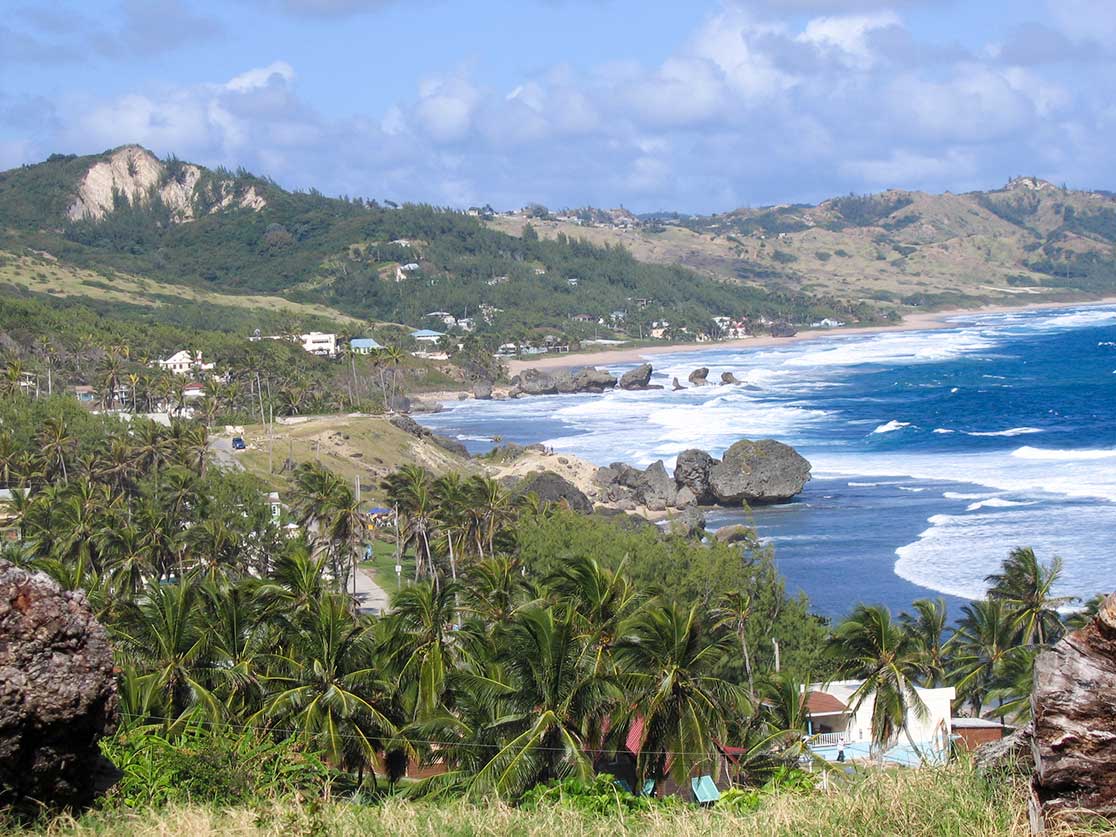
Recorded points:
(934, 452)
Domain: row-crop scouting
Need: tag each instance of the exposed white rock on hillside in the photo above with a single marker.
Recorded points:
(136, 173)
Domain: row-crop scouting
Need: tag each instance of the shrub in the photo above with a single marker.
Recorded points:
(210, 765)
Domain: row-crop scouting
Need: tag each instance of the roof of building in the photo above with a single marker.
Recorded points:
(425, 332)
(976, 723)
(364, 343)
(820, 703)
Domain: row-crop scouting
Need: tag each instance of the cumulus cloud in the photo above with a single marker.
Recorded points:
(753, 106)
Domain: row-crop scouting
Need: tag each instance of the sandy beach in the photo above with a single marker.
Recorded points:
(911, 322)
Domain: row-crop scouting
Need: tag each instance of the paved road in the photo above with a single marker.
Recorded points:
(370, 594)
(223, 453)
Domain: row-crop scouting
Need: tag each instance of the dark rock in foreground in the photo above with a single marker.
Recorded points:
(57, 694)
(482, 390)
(1074, 729)
(550, 487)
(675, 385)
(691, 470)
(729, 378)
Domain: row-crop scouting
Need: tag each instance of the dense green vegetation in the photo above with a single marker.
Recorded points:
(340, 252)
(528, 643)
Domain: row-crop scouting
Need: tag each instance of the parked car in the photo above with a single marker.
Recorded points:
(238, 443)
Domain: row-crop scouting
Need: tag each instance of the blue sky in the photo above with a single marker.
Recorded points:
(696, 106)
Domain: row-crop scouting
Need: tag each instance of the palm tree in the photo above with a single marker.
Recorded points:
(328, 689)
(927, 626)
(734, 612)
(552, 715)
(492, 510)
(869, 646)
(421, 642)
(111, 371)
(56, 444)
(1025, 586)
(983, 647)
(410, 491)
(668, 662)
(165, 633)
(601, 599)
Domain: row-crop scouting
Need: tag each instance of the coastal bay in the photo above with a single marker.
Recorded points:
(937, 446)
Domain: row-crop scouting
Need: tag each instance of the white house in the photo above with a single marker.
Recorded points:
(319, 343)
(834, 721)
(363, 346)
(426, 335)
(184, 362)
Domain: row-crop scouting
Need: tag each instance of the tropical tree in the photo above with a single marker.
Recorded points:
(553, 714)
(927, 627)
(1025, 586)
(888, 661)
(668, 662)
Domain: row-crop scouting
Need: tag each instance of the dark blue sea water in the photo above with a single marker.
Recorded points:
(934, 452)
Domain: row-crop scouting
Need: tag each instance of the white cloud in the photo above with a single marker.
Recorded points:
(907, 169)
(847, 37)
(277, 71)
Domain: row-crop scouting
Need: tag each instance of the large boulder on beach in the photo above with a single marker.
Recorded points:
(689, 523)
(735, 533)
(729, 378)
(1073, 702)
(567, 381)
(652, 487)
(691, 470)
(482, 391)
(637, 378)
(758, 472)
(58, 694)
(550, 487)
(698, 377)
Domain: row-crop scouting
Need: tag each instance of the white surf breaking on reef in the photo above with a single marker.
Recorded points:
(1053, 498)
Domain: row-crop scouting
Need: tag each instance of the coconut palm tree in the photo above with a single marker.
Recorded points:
(553, 715)
(1025, 586)
(668, 661)
(734, 612)
(927, 626)
(328, 688)
(983, 648)
(164, 632)
(56, 444)
(421, 643)
(872, 648)
(410, 491)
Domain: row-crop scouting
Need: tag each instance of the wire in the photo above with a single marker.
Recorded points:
(349, 736)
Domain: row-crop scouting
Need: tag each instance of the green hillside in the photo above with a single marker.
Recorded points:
(127, 214)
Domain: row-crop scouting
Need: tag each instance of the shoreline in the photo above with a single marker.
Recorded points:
(919, 321)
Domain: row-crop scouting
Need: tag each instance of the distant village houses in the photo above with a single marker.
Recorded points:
(184, 362)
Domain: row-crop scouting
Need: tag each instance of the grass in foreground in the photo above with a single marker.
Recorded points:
(948, 802)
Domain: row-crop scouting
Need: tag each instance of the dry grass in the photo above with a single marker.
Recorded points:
(349, 445)
(950, 802)
(44, 275)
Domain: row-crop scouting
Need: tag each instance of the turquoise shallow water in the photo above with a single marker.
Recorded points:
(934, 452)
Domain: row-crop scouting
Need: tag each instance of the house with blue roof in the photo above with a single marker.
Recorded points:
(426, 335)
(363, 346)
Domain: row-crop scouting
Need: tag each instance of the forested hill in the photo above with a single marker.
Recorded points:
(129, 234)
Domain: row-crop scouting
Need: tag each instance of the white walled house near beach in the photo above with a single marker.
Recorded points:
(835, 723)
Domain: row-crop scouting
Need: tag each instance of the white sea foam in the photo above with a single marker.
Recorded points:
(892, 426)
(956, 495)
(955, 553)
(999, 503)
(1053, 455)
(943, 430)
(1013, 431)
(869, 484)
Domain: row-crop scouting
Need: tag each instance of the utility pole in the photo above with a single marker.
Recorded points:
(356, 496)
